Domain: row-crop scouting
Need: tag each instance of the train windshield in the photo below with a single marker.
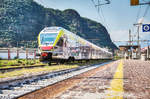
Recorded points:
(47, 38)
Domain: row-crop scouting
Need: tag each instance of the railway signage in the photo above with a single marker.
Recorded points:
(134, 2)
(146, 27)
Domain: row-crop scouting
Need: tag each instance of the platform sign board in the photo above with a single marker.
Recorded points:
(146, 27)
(134, 2)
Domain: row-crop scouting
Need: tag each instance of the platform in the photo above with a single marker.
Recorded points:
(129, 79)
(122, 79)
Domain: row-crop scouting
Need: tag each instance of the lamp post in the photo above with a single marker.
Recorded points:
(138, 38)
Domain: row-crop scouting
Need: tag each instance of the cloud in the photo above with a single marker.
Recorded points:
(119, 35)
(123, 35)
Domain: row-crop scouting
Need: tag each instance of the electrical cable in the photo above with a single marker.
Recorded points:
(104, 18)
(138, 13)
(137, 16)
(98, 8)
(146, 11)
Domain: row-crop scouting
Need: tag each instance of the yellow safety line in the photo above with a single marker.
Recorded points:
(116, 87)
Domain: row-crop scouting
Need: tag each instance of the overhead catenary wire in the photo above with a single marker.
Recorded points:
(138, 13)
(100, 12)
(137, 16)
(104, 19)
(96, 9)
(146, 10)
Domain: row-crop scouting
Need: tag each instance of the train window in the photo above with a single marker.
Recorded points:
(60, 42)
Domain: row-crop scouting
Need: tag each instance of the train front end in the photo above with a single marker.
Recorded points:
(47, 40)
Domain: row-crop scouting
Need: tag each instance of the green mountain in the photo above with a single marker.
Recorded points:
(22, 20)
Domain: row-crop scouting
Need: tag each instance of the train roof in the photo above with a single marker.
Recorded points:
(51, 29)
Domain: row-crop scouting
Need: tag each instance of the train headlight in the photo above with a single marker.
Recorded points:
(44, 54)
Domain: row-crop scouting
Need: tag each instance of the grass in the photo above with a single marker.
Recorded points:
(36, 70)
(23, 63)
(90, 62)
(117, 58)
(18, 63)
(46, 68)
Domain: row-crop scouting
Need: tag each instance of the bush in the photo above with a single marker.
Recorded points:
(19, 61)
(16, 57)
(0, 63)
(29, 62)
(10, 63)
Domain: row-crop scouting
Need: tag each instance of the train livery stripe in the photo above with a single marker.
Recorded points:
(58, 37)
(39, 40)
(116, 87)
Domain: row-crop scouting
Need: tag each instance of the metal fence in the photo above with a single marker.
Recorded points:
(18, 53)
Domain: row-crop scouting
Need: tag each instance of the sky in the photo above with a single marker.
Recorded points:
(118, 16)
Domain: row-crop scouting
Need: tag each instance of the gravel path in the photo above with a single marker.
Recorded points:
(137, 84)
(53, 91)
(93, 86)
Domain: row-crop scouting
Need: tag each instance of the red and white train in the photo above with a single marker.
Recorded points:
(59, 44)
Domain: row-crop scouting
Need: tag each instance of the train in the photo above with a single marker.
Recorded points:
(60, 45)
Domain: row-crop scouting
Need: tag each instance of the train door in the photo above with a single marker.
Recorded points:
(65, 47)
(58, 49)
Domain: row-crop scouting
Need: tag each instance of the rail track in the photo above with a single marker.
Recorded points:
(17, 88)
(4, 70)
